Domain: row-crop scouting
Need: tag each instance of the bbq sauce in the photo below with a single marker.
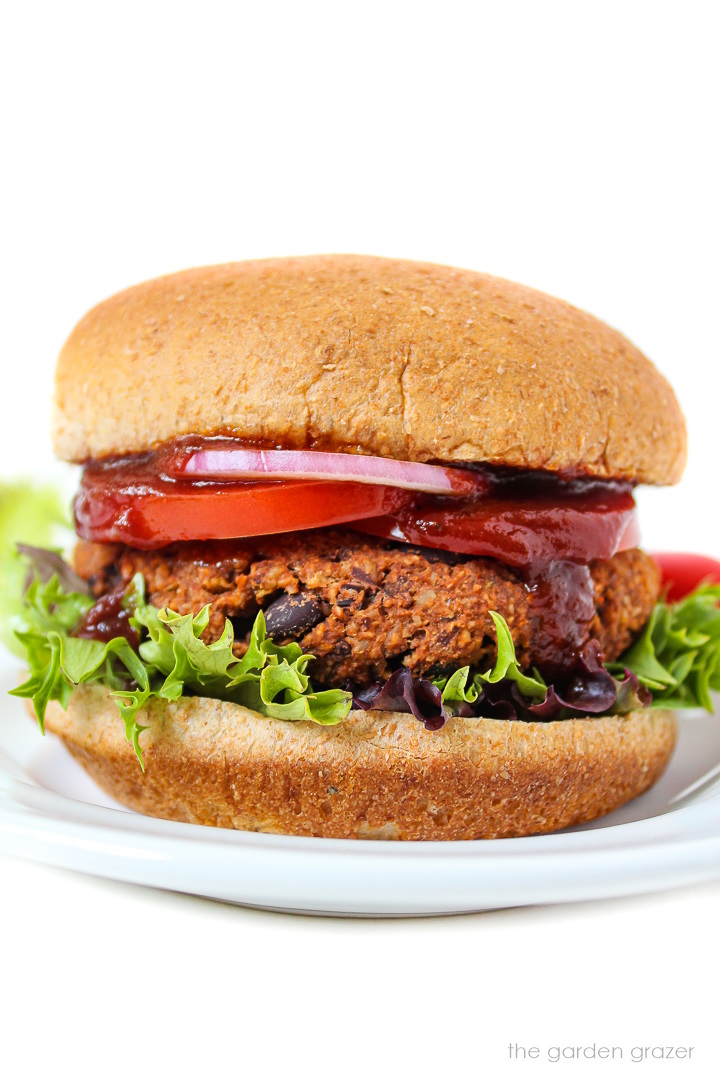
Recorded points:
(109, 619)
(563, 602)
(536, 522)
(522, 518)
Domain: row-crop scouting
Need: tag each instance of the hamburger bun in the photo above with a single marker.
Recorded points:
(377, 775)
(366, 355)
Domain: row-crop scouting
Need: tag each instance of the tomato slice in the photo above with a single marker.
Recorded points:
(521, 519)
(153, 515)
(681, 572)
(518, 531)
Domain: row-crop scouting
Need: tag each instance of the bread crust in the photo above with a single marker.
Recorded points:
(375, 776)
(367, 355)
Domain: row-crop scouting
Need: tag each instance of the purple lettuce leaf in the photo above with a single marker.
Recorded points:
(591, 690)
(403, 693)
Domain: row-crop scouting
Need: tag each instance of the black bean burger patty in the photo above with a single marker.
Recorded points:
(363, 606)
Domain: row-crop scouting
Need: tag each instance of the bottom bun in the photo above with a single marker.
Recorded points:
(377, 775)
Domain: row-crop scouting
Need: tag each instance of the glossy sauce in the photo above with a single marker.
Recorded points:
(141, 502)
(563, 600)
(546, 526)
(519, 530)
(109, 619)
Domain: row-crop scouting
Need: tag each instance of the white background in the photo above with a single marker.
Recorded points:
(570, 146)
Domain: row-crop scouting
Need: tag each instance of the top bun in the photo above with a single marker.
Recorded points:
(377, 356)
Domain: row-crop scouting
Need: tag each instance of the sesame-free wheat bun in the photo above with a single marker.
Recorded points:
(377, 775)
(410, 361)
(376, 356)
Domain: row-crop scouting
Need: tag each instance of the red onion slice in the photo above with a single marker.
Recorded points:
(236, 464)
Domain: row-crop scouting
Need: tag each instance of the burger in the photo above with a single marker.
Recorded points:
(358, 556)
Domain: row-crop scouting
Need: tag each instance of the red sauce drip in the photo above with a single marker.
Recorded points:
(563, 600)
(108, 619)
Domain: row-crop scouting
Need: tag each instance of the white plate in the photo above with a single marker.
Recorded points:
(52, 812)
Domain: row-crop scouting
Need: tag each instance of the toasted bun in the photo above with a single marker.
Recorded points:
(375, 356)
(376, 776)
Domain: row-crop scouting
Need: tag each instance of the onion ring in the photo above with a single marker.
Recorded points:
(241, 464)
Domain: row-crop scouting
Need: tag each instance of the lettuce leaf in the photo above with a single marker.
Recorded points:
(172, 660)
(459, 686)
(33, 514)
(424, 699)
(677, 657)
(58, 663)
(506, 667)
(675, 663)
(269, 678)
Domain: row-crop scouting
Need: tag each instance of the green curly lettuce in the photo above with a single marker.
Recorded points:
(677, 657)
(171, 660)
(506, 666)
(459, 687)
